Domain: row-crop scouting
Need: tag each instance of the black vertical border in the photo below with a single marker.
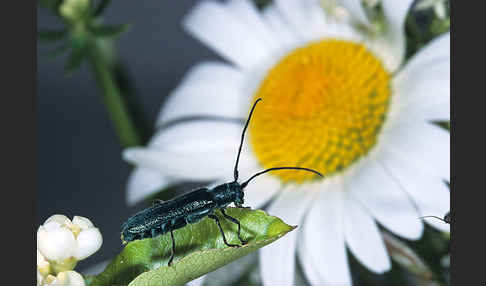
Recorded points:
(17, 117)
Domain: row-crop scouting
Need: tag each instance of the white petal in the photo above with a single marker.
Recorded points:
(422, 88)
(60, 219)
(383, 198)
(425, 144)
(261, 190)
(294, 13)
(82, 222)
(306, 17)
(43, 266)
(204, 100)
(390, 45)
(216, 26)
(40, 278)
(277, 260)
(246, 11)
(89, 241)
(209, 89)
(52, 225)
(363, 237)
(429, 192)
(308, 266)
(143, 182)
(323, 233)
(355, 7)
(198, 135)
(195, 165)
(56, 244)
(199, 150)
(212, 72)
(280, 27)
(438, 48)
(69, 278)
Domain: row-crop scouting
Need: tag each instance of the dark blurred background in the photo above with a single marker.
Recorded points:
(79, 166)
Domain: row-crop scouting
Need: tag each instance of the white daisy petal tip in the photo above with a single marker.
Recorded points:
(144, 182)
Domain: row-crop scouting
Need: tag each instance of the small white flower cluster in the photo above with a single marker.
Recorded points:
(61, 243)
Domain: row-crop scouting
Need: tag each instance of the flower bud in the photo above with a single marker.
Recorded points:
(60, 239)
(66, 278)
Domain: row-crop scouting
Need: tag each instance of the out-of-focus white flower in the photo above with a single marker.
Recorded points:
(59, 238)
(437, 5)
(65, 278)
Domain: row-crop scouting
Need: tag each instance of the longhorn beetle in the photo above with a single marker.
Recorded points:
(168, 216)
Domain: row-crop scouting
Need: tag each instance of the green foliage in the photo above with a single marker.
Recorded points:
(101, 7)
(423, 26)
(51, 35)
(199, 250)
(109, 31)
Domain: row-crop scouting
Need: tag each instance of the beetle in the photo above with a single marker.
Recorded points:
(167, 216)
(447, 217)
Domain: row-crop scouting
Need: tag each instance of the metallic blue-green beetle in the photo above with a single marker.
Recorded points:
(191, 207)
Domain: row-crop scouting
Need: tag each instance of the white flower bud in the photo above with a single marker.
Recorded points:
(55, 242)
(82, 222)
(89, 241)
(43, 266)
(66, 278)
(40, 278)
(63, 242)
(60, 219)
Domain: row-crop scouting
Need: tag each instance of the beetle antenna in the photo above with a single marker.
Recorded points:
(242, 137)
(278, 168)
(433, 217)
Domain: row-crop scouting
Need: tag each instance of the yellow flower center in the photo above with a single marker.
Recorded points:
(323, 107)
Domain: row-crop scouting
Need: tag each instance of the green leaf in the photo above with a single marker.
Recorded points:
(58, 51)
(76, 57)
(51, 35)
(199, 250)
(101, 7)
(110, 31)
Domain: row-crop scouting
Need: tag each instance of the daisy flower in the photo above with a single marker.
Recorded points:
(337, 98)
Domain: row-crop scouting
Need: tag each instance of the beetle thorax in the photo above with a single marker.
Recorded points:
(227, 193)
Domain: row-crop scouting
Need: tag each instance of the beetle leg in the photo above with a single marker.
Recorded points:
(234, 220)
(221, 230)
(173, 248)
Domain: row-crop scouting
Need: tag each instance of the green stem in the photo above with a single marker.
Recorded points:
(117, 109)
